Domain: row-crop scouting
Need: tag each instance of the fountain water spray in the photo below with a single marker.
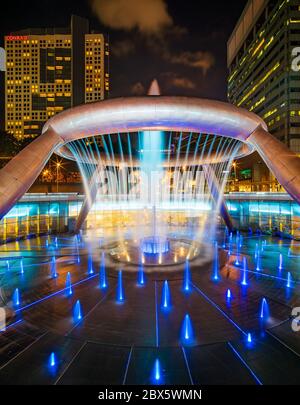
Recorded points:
(258, 262)
(102, 274)
(216, 264)
(237, 256)
(120, 290)
(256, 251)
(69, 284)
(289, 280)
(166, 296)
(7, 265)
(53, 268)
(230, 244)
(16, 298)
(249, 338)
(244, 279)
(52, 360)
(21, 267)
(187, 332)
(141, 275)
(187, 277)
(228, 295)
(241, 241)
(264, 309)
(280, 263)
(157, 373)
(90, 265)
(224, 239)
(77, 312)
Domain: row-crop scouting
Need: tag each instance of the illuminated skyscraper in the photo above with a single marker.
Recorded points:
(50, 70)
(263, 74)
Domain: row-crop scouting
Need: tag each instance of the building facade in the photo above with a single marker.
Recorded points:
(263, 74)
(50, 70)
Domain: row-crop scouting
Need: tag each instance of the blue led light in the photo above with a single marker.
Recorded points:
(102, 274)
(69, 284)
(16, 298)
(187, 277)
(120, 289)
(77, 312)
(187, 332)
(166, 296)
(52, 360)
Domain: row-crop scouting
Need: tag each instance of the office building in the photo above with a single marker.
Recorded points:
(50, 70)
(263, 73)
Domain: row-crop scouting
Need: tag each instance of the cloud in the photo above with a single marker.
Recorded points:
(174, 80)
(138, 89)
(202, 60)
(122, 48)
(198, 59)
(148, 16)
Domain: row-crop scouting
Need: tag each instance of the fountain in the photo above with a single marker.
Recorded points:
(216, 264)
(228, 295)
(77, 312)
(157, 373)
(187, 332)
(280, 263)
(21, 267)
(90, 265)
(52, 360)
(120, 289)
(141, 275)
(237, 256)
(249, 338)
(245, 270)
(187, 277)
(102, 273)
(230, 244)
(264, 309)
(53, 272)
(289, 280)
(16, 298)
(165, 296)
(69, 285)
(258, 261)
(224, 239)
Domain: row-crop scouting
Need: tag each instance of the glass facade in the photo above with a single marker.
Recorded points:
(261, 78)
(40, 214)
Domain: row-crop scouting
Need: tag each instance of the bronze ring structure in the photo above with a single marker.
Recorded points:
(157, 113)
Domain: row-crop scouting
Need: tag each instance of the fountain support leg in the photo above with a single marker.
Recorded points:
(214, 187)
(88, 201)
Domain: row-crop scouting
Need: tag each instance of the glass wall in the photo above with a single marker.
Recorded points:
(38, 217)
(281, 217)
(38, 214)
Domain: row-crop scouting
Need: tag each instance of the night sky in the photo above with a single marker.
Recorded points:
(182, 43)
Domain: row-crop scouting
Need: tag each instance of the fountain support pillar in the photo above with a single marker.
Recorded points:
(282, 162)
(20, 173)
(88, 201)
(214, 188)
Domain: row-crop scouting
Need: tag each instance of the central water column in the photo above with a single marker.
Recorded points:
(151, 157)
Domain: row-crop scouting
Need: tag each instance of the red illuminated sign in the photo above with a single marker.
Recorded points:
(16, 37)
